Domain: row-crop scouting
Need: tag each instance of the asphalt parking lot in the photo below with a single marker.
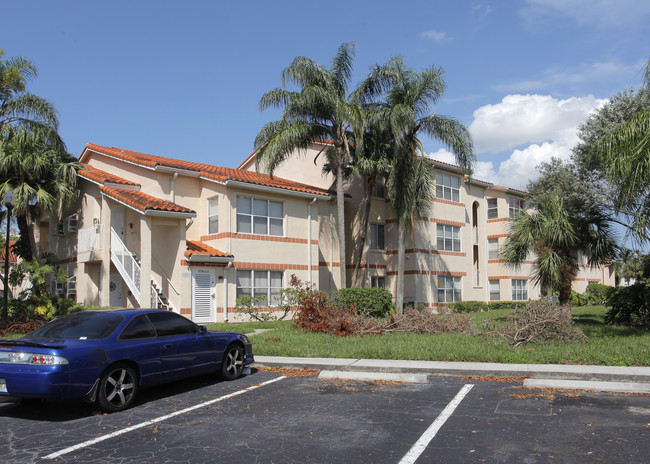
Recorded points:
(268, 418)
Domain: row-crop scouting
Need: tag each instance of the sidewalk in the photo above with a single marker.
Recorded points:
(581, 377)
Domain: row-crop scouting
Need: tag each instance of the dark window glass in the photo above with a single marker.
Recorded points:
(83, 325)
(140, 327)
(167, 324)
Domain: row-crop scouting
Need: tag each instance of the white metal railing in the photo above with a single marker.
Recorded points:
(90, 239)
(475, 235)
(126, 264)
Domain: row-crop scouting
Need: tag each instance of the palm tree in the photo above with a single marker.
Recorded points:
(556, 237)
(41, 175)
(18, 107)
(626, 157)
(407, 110)
(319, 111)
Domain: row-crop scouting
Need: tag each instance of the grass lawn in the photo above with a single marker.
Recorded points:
(605, 345)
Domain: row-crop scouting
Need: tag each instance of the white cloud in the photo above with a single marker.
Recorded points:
(438, 36)
(526, 119)
(598, 13)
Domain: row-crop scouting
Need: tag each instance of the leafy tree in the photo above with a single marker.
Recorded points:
(402, 99)
(615, 149)
(321, 110)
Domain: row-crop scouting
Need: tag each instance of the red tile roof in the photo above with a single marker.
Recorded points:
(102, 177)
(144, 202)
(195, 247)
(12, 256)
(205, 170)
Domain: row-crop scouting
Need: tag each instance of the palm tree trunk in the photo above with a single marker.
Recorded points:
(363, 237)
(340, 205)
(399, 291)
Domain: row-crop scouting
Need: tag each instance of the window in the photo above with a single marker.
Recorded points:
(515, 205)
(495, 290)
(378, 281)
(377, 237)
(169, 324)
(262, 217)
(447, 187)
(519, 290)
(493, 248)
(138, 328)
(492, 209)
(448, 289)
(60, 227)
(264, 284)
(213, 215)
(379, 188)
(448, 237)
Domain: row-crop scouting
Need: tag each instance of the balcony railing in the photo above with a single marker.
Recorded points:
(90, 239)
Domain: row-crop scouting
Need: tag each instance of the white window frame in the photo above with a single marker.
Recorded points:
(493, 248)
(495, 290)
(379, 188)
(449, 288)
(492, 208)
(271, 293)
(378, 281)
(255, 219)
(519, 290)
(448, 238)
(447, 187)
(515, 206)
(213, 215)
(377, 237)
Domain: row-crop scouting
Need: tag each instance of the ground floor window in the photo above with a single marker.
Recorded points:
(495, 290)
(519, 290)
(378, 281)
(449, 289)
(264, 284)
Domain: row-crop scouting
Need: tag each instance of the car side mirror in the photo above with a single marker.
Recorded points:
(203, 329)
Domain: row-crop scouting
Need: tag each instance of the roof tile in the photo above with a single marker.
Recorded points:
(195, 247)
(143, 202)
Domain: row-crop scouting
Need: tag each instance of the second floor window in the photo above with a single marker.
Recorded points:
(262, 217)
(379, 188)
(376, 236)
(448, 237)
(515, 205)
(213, 215)
(493, 248)
(492, 210)
(447, 187)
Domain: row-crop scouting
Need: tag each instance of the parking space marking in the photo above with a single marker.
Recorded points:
(85, 444)
(417, 449)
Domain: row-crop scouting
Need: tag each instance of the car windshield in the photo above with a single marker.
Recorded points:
(80, 326)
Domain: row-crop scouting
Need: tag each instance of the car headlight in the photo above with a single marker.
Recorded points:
(32, 358)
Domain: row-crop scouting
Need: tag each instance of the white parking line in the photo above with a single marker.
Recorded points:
(417, 449)
(155, 421)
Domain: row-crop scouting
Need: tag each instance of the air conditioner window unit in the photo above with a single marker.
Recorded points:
(73, 223)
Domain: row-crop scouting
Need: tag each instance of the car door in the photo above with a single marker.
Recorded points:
(139, 342)
(183, 349)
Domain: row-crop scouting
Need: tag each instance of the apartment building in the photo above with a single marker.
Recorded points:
(190, 237)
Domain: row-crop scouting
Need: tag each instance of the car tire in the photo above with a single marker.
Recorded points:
(117, 388)
(233, 362)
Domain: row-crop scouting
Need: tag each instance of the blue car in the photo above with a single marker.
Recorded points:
(106, 356)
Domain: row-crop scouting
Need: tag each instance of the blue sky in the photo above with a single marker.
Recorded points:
(184, 79)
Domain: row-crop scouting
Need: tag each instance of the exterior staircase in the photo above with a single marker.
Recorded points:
(128, 265)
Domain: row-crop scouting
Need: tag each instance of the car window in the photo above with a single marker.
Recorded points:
(167, 324)
(80, 326)
(138, 328)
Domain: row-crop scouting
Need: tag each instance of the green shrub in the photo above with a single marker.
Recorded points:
(599, 293)
(578, 299)
(507, 304)
(630, 305)
(468, 306)
(371, 301)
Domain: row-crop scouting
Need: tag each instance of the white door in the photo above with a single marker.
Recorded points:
(203, 295)
(115, 295)
(117, 220)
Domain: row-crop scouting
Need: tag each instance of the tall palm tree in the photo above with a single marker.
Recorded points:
(402, 99)
(626, 157)
(557, 237)
(41, 175)
(319, 111)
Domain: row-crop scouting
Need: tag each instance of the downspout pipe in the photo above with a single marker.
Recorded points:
(309, 252)
(225, 291)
